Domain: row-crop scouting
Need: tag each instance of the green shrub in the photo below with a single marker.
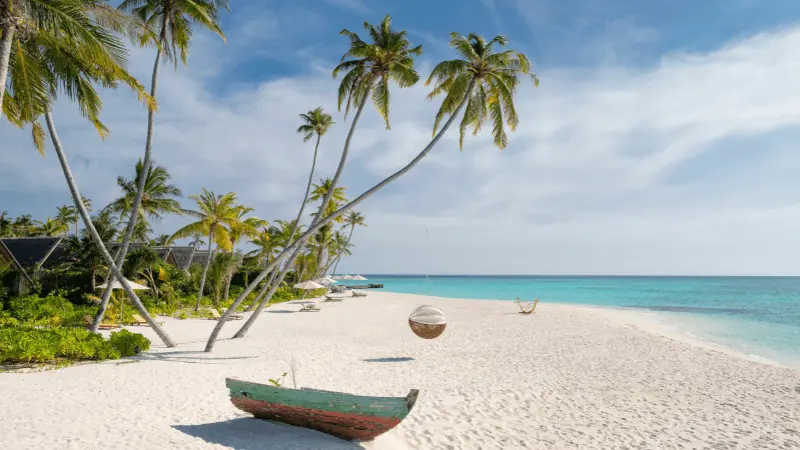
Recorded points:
(37, 345)
(52, 310)
(129, 344)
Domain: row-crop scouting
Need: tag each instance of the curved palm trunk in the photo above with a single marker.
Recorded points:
(347, 244)
(134, 213)
(205, 269)
(93, 232)
(5, 54)
(302, 239)
(262, 292)
(338, 213)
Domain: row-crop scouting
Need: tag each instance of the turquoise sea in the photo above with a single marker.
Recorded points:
(758, 316)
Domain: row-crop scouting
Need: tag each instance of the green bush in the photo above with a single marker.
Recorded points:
(52, 310)
(29, 345)
(129, 344)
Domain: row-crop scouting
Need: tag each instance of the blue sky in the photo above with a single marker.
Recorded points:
(662, 139)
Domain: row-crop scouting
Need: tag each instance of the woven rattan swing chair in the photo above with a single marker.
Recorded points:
(528, 308)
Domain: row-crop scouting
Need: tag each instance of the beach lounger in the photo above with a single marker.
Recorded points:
(215, 315)
(309, 307)
(338, 296)
(139, 320)
(359, 294)
(527, 309)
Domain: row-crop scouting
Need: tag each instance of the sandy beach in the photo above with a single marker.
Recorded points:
(565, 377)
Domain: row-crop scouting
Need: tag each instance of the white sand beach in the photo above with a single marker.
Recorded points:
(564, 377)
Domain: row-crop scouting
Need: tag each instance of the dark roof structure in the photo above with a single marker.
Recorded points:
(200, 257)
(23, 254)
(182, 256)
(165, 253)
(31, 251)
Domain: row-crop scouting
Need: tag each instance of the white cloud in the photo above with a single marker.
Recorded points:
(612, 170)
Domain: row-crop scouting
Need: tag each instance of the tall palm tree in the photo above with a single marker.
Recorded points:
(68, 215)
(495, 74)
(388, 56)
(214, 214)
(172, 21)
(51, 227)
(352, 220)
(67, 52)
(158, 198)
(315, 123)
(340, 246)
(321, 190)
(242, 227)
(156, 201)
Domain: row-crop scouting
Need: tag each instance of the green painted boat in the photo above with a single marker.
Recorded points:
(346, 416)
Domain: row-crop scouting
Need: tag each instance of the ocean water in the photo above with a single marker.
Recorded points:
(758, 316)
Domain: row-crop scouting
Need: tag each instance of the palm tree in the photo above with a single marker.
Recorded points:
(68, 51)
(321, 190)
(352, 220)
(5, 225)
(197, 239)
(388, 55)
(161, 241)
(68, 215)
(240, 228)
(215, 213)
(495, 75)
(51, 227)
(87, 250)
(156, 201)
(340, 246)
(316, 123)
(173, 21)
(23, 226)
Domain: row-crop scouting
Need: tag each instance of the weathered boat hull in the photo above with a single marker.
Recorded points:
(345, 416)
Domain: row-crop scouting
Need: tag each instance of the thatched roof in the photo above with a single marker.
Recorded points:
(182, 256)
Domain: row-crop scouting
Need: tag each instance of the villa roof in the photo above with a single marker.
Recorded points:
(32, 250)
(182, 256)
(200, 257)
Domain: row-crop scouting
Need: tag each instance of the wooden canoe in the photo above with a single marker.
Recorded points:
(346, 416)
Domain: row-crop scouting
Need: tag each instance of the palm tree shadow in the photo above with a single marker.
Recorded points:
(187, 358)
(254, 434)
(392, 359)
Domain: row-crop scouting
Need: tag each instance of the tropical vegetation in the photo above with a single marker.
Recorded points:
(70, 47)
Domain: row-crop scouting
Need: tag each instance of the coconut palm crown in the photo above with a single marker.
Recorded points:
(389, 55)
(491, 79)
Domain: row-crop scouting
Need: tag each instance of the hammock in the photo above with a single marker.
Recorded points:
(528, 308)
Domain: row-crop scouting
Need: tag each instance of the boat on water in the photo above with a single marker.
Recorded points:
(346, 416)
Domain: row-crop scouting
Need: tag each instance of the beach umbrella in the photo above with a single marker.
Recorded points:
(326, 280)
(309, 285)
(117, 285)
(427, 322)
(359, 278)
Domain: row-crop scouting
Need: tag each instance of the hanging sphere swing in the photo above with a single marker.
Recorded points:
(427, 322)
